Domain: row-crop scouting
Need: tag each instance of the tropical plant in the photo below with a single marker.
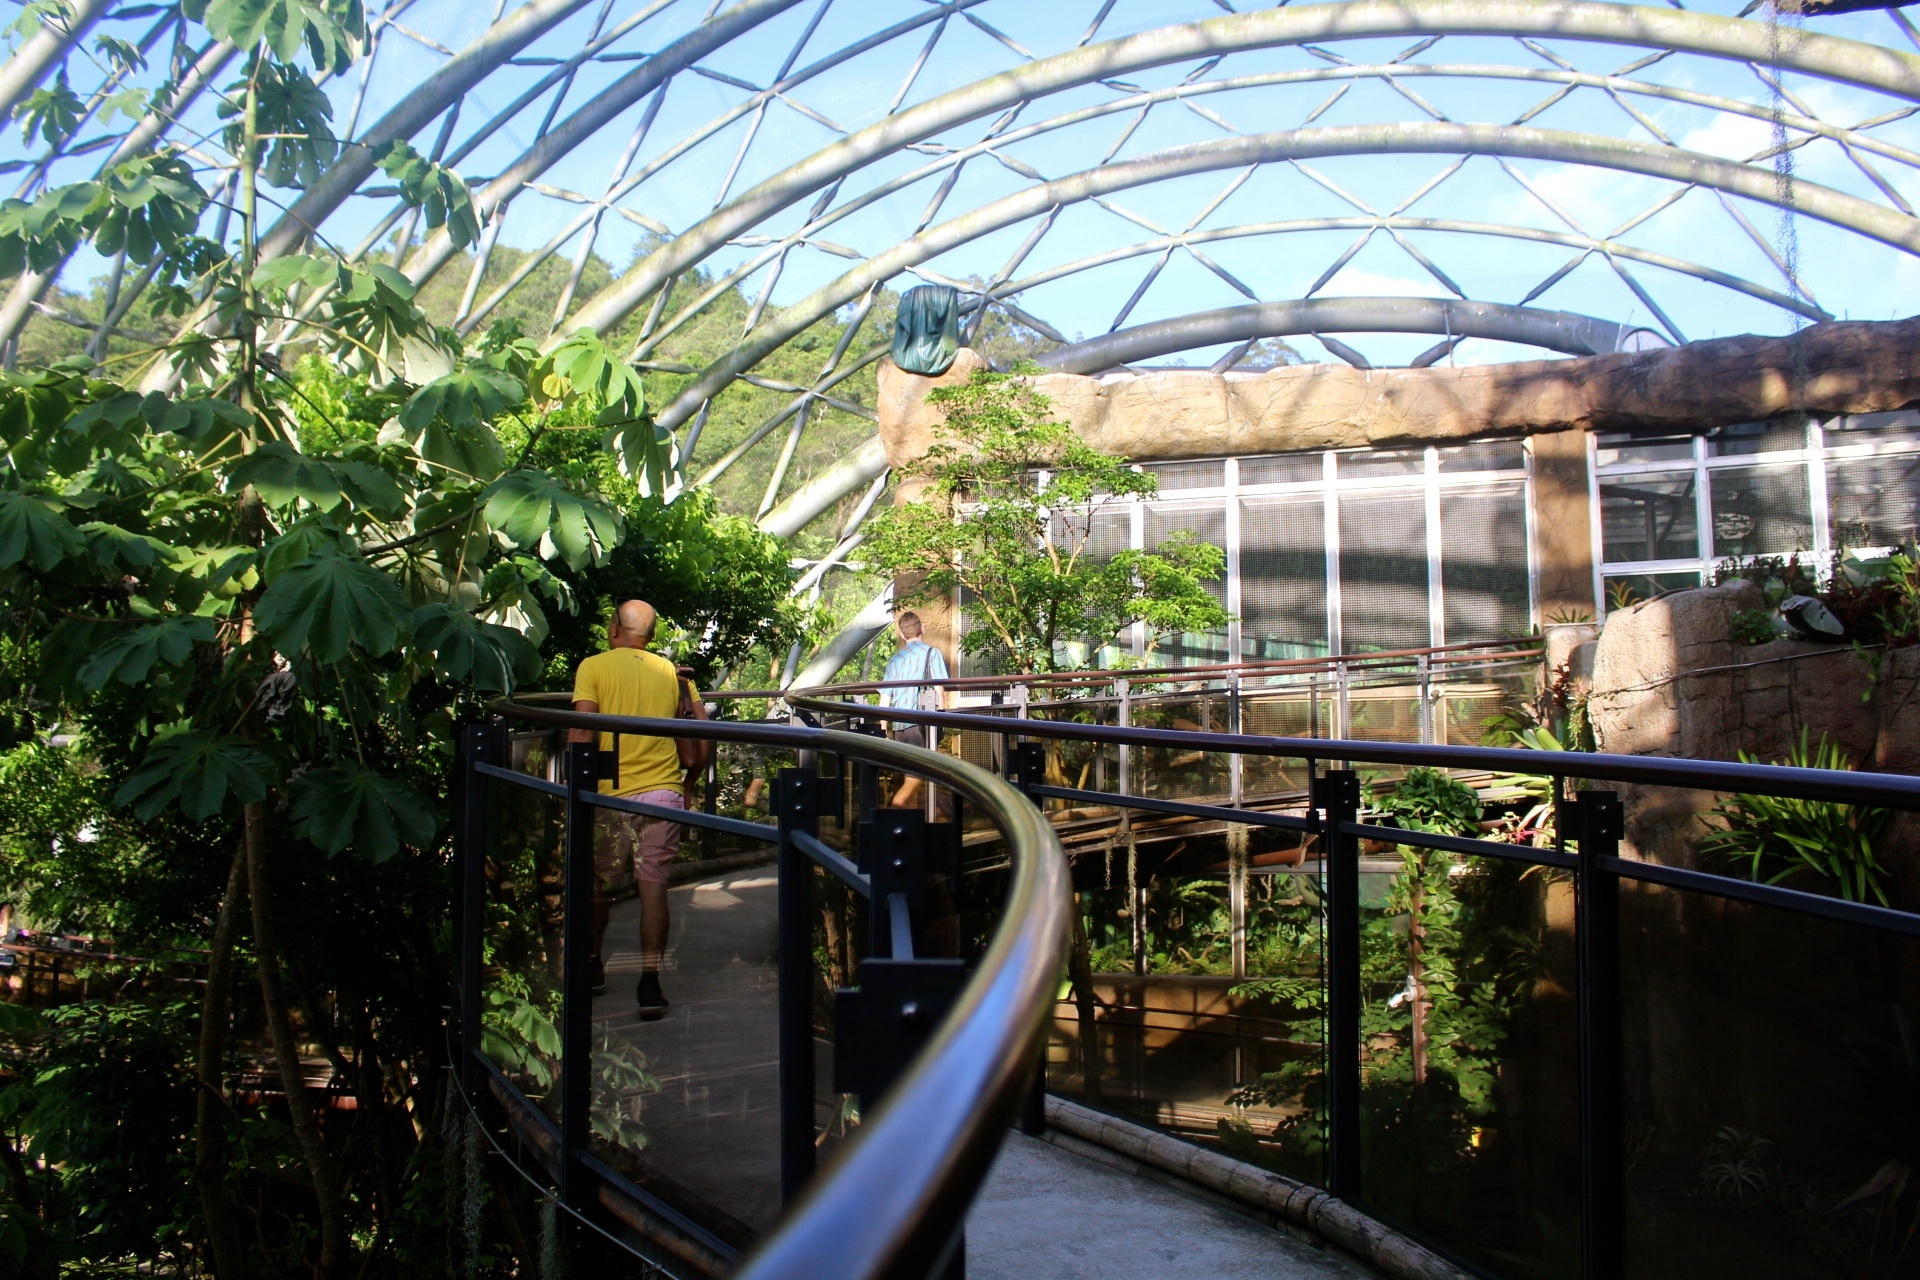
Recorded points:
(1009, 503)
(1777, 836)
(254, 573)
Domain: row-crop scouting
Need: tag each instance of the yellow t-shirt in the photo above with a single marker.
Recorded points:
(633, 682)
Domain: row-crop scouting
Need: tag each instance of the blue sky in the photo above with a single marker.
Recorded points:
(1848, 274)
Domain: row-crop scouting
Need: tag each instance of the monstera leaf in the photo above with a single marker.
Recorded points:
(199, 771)
(330, 604)
(34, 531)
(465, 648)
(531, 508)
(131, 655)
(348, 806)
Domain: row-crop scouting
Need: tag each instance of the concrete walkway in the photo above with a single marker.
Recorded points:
(1048, 1214)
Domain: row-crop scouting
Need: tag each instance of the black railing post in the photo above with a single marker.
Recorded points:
(797, 808)
(1336, 794)
(576, 975)
(1026, 768)
(1599, 824)
(476, 741)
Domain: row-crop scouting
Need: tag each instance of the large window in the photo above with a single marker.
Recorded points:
(1350, 551)
(1671, 508)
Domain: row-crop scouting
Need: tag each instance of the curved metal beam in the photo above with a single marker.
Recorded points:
(1670, 163)
(804, 505)
(32, 285)
(1563, 331)
(48, 46)
(1828, 57)
(414, 112)
(1392, 222)
(554, 144)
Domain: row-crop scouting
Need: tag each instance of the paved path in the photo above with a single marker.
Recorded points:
(710, 1128)
(1048, 1214)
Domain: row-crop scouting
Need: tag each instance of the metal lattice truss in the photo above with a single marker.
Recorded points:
(1173, 178)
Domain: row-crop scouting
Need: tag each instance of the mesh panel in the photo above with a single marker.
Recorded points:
(1107, 530)
(1283, 578)
(1863, 428)
(1483, 562)
(1488, 455)
(1761, 511)
(1383, 571)
(1365, 463)
(1207, 524)
(1190, 475)
(1874, 502)
(1648, 518)
(1285, 468)
(1771, 436)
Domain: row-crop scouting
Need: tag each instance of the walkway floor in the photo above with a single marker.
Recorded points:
(1048, 1214)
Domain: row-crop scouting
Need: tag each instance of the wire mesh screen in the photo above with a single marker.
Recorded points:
(1483, 562)
(1383, 571)
(1874, 502)
(1207, 523)
(1649, 518)
(1761, 510)
(1283, 577)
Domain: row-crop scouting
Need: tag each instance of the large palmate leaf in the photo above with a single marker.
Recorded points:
(198, 770)
(109, 545)
(291, 110)
(348, 806)
(436, 190)
(332, 31)
(129, 656)
(531, 508)
(331, 604)
(33, 530)
(493, 658)
(587, 366)
(281, 474)
(464, 396)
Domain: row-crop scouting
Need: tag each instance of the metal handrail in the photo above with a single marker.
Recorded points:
(1895, 791)
(902, 1184)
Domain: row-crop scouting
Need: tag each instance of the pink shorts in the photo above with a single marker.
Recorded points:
(626, 845)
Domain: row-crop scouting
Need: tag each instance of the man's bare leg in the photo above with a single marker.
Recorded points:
(908, 796)
(653, 926)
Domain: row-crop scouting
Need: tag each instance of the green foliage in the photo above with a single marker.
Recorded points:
(348, 806)
(199, 771)
(331, 32)
(1753, 626)
(1777, 836)
(291, 112)
(985, 526)
(532, 509)
(436, 190)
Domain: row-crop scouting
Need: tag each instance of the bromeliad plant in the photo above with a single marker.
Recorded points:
(262, 607)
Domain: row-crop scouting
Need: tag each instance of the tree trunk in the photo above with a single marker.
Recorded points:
(306, 1125)
(1080, 975)
(209, 1118)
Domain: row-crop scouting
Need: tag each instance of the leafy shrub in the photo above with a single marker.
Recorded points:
(1753, 626)
(1777, 836)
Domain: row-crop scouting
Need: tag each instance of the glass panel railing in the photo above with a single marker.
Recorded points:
(1772, 1064)
(521, 940)
(1470, 1069)
(686, 1098)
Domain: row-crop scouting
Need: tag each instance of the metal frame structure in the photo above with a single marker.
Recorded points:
(948, 158)
(1590, 820)
(940, 1089)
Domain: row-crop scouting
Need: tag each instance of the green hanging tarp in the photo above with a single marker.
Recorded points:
(926, 329)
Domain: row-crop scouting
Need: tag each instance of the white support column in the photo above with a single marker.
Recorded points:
(1234, 637)
(1330, 508)
(1436, 600)
(1703, 507)
(1819, 511)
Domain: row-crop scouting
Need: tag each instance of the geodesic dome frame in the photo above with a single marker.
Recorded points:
(1074, 171)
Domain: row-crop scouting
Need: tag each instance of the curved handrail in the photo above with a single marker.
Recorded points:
(901, 1185)
(1897, 791)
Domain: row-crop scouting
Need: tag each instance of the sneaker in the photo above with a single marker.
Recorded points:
(653, 1005)
(598, 973)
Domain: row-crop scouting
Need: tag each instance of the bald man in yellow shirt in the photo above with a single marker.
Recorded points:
(628, 680)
